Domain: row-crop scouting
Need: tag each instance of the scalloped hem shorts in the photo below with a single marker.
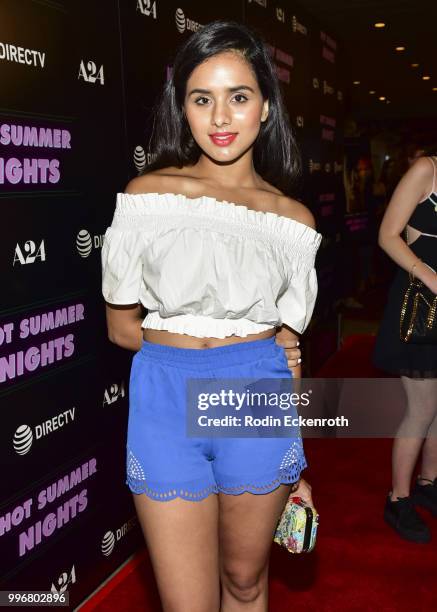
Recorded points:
(164, 463)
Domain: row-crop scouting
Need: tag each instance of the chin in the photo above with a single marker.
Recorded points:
(228, 157)
(226, 154)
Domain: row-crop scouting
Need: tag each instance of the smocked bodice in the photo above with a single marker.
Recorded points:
(209, 268)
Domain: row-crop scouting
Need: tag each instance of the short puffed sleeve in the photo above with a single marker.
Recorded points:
(296, 304)
(122, 262)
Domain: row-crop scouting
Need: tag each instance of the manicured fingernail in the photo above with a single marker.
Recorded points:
(299, 360)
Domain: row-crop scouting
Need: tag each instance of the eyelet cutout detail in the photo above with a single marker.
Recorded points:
(284, 478)
(134, 467)
(292, 455)
(293, 462)
(139, 486)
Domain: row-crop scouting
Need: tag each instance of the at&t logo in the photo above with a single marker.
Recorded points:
(180, 20)
(139, 158)
(29, 253)
(147, 8)
(108, 543)
(91, 73)
(84, 242)
(23, 439)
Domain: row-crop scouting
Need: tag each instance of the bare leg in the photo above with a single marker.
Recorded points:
(182, 541)
(429, 452)
(420, 413)
(247, 524)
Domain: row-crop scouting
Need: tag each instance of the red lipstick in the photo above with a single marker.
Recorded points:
(223, 139)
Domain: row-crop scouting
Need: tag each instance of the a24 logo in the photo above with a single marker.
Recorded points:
(29, 253)
(90, 73)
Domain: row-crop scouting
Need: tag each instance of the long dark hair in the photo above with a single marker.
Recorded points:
(276, 156)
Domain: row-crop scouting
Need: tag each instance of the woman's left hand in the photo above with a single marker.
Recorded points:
(292, 351)
(304, 490)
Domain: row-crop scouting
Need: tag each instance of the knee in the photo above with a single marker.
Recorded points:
(424, 421)
(243, 586)
(419, 420)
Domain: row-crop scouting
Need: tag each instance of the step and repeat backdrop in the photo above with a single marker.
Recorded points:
(79, 80)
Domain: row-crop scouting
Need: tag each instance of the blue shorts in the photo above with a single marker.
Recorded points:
(164, 463)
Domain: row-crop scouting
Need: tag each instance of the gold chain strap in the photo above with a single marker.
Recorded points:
(403, 311)
(431, 315)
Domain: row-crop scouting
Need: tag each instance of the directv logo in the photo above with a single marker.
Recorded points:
(108, 543)
(23, 439)
(183, 23)
(24, 436)
(84, 243)
(110, 538)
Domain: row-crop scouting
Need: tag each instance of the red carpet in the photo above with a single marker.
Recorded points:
(359, 563)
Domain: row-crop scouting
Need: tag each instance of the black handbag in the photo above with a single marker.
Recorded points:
(418, 321)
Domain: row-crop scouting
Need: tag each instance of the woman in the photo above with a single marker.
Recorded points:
(212, 245)
(413, 207)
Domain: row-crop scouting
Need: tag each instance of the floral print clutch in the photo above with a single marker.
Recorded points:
(297, 528)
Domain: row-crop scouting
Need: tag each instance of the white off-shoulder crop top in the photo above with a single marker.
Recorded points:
(209, 268)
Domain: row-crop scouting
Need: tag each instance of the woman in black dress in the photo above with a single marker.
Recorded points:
(413, 207)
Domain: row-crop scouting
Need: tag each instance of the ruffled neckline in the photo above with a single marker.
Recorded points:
(133, 204)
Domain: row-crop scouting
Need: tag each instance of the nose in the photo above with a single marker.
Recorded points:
(220, 115)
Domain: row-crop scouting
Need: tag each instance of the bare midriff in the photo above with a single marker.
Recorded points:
(160, 336)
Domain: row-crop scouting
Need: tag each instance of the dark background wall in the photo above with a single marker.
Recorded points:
(78, 83)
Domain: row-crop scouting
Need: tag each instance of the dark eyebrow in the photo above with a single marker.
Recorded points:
(230, 89)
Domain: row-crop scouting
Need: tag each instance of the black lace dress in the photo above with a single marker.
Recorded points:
(391, 353)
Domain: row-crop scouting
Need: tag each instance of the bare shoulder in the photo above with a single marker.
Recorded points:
(416, 183)
(165, 180)
(288, 207)
(421, 169)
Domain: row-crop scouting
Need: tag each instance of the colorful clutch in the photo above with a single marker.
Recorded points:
(297, 528)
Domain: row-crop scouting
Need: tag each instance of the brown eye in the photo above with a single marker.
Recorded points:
(201, 98)
(241, 96)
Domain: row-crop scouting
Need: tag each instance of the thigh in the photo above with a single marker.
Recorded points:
(262, 467)
(421, 394)
(247, 524)
(182, 543)
(421, 411)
